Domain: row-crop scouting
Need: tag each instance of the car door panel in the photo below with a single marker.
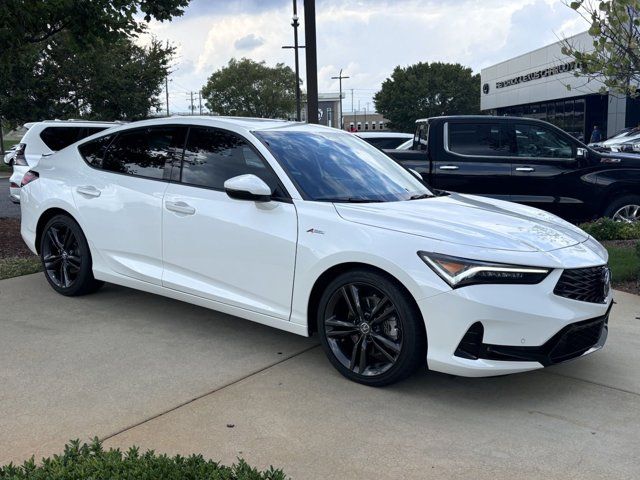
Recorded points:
(545, 171)
(237, 252)
(120, 209)
(474, 159)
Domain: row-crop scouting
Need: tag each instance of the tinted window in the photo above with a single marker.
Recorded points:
(338, 167)
(93, 151)
(214, 156)
(146, 152)
(541, 142)
(421, 137)
(480, 139)
(57, 138)
(88, 131)
(385, 143)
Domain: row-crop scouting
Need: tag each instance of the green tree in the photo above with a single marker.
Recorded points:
(251, 89)
(103, 80)
(427, 90)
(24, 22)
(614, 59)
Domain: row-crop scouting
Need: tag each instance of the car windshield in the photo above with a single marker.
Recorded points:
(339, 167)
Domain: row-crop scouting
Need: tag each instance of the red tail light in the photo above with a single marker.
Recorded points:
(19, 158)
(29, 177)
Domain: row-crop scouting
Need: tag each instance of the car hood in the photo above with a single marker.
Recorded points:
(469, 220)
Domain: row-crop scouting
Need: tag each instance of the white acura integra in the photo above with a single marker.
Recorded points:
(310, 229)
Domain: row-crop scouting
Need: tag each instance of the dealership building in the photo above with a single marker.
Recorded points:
(542, 84)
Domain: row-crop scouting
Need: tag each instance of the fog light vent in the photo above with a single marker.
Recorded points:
(471, 343)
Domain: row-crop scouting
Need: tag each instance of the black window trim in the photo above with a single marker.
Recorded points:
(284, 199)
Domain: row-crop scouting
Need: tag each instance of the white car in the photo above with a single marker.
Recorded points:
(385, 140)
(310, 229)
(45, 138)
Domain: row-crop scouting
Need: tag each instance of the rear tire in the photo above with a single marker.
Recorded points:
(66, 258)
(370, 329)
(624, 209)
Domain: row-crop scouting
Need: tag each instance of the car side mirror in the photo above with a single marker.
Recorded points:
(415, 173)
(248, 187)
(581, 153)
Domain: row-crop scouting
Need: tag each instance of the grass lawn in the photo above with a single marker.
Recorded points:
(624, 263)
(16, 266)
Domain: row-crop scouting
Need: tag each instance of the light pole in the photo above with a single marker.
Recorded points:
(340, 77)
(312, 60)
(295, 24)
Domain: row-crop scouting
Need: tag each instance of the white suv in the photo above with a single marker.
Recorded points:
(45, 138)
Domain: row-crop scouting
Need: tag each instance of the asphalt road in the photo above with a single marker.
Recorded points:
(133, 368)
(7, 207)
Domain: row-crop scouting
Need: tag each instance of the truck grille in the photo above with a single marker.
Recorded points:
(585, 284)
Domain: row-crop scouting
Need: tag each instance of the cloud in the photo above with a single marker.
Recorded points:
(248, 42)
(366, 38)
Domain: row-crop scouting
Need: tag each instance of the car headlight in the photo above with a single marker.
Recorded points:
(460, 272)
(636, 147)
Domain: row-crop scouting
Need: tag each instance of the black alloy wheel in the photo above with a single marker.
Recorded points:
(370, 330)
(66, 258)
(61, 255)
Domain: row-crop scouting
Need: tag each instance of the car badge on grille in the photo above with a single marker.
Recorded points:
(606, 281)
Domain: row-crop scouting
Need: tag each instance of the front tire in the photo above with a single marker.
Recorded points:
(370, 329)
(66, 257)
(624, 209)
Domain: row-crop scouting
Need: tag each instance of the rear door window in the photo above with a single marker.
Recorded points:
(146, 152)
(57, 138)
(93, 152)
(481, 139)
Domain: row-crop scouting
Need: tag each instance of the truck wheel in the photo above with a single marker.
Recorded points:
(624, 209)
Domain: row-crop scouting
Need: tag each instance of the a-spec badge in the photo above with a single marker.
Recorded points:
(315, 230)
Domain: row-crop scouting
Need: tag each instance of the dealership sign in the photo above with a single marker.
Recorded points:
(547, 72)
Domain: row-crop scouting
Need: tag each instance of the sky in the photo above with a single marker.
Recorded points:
(367, 39)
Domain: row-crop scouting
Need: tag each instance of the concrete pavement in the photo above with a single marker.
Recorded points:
(121, 364)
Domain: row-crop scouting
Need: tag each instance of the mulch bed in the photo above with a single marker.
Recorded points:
(11, 244)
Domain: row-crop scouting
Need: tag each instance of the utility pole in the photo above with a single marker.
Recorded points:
(166, 90)
(295, 24)
(200, 101)
(312, 60)
(192, 107)
(1, 138)
(340, 77)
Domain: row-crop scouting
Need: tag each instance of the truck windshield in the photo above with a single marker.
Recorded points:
(339, 167)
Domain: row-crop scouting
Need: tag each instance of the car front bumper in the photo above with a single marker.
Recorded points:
(522, 327)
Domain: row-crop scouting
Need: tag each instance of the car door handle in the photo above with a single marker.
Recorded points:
(525, 169)
(180, 207)
(448, 167)
(88, 190)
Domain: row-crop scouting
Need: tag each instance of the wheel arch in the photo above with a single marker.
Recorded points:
(333, 272)
(45, 217)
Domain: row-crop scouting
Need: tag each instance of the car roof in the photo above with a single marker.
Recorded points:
(235, 123)
(72, 122)
(383, 135)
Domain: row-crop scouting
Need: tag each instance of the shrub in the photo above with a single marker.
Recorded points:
(93, 462)
(607, 229)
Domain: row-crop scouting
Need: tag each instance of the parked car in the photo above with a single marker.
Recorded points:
(9, 154)
(526, 161)
(611, 144)
(45, 138)
(310, 229)
(385, 139)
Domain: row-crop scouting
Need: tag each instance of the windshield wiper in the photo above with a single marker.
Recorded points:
(421, 196)
(350, 200)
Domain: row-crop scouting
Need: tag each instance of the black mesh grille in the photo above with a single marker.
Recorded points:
(584, 284)
(576, 339)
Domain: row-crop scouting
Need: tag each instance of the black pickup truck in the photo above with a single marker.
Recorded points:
(526, 161)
